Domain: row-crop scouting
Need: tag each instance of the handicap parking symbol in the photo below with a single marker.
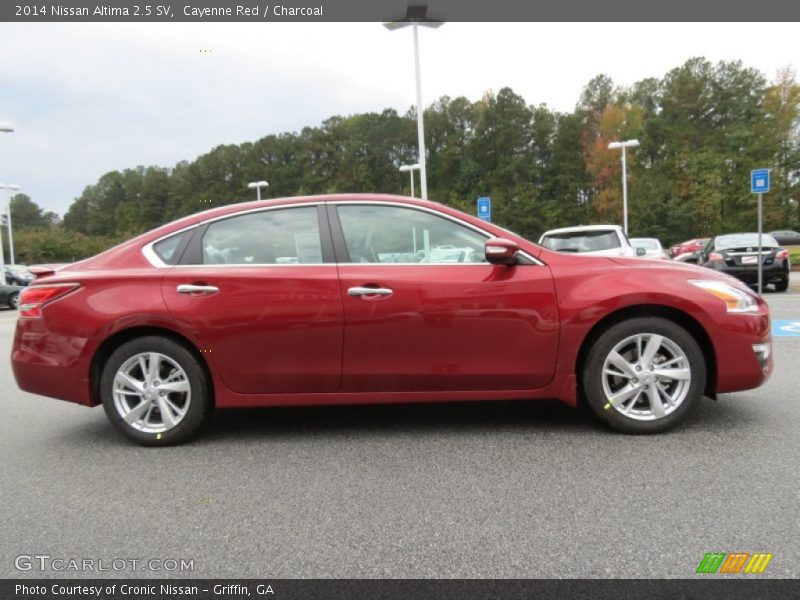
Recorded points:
(783, 328)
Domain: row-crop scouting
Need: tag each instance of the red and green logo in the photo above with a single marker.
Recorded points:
(734, 562)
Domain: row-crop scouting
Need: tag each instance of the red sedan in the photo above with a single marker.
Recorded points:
(374, 299)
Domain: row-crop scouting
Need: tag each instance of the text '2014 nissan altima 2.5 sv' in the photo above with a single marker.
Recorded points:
(377, 299)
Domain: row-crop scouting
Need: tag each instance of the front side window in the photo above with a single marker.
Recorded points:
(391, 234)
(282, 236)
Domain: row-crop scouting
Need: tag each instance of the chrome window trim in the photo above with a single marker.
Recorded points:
(456, 220)
(153, 258)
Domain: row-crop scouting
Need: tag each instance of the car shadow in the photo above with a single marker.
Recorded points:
(401, 419)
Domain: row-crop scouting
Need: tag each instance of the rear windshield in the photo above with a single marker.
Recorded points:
(646, 244)
(581, 241)
(742, 240)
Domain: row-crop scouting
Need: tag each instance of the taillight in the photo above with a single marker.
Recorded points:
(715, 256)
(33, 298)
(782, 254)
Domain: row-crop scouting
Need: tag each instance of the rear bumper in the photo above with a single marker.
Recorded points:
(770, 274)
(50, 364)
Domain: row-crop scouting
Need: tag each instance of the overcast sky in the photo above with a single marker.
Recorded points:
(86, 99)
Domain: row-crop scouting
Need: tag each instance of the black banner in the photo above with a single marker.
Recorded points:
(391, 10)
(390, 589)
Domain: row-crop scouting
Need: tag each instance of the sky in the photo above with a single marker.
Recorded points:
(88, 98)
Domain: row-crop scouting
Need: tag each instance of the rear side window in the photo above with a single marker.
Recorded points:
(281, 236)
(170, 249)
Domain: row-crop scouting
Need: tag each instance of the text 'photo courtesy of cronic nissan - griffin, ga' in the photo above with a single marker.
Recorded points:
(351, 299)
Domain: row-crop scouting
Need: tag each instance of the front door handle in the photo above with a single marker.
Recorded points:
(368, 291)
(190, 288)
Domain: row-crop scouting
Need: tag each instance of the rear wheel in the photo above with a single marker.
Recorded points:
(13, 300)
(155, 391)
(644, 375)
(782, 285)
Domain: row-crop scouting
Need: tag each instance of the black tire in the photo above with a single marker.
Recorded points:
(601, 404)
(782, 285)
(200, 399)
(13, 301)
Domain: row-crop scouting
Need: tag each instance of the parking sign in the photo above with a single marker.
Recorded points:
(759, 181)
(485, 208)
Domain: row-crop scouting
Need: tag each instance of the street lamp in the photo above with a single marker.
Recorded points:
(416, 16)
(257, 185)
(410, 170)
(624, 145)
(9, 187)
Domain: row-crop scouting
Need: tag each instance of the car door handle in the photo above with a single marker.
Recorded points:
(368, 291)
(190, 288)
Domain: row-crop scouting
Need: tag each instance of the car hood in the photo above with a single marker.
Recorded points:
(689, 269)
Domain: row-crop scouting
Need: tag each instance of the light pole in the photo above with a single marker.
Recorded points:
(257, 185)
(4, 128)
(9, 187)
(624, 145)
(416, 16)
(410, 170)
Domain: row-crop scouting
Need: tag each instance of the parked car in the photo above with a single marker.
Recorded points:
(592, 240)
(306, 301)
(786, 237)
(18, 275)
(737, 254)
(690, 247)
(9, 295)
(652, 247)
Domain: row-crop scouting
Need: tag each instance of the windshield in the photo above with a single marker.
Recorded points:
(740, 240)
(581, 241)
(19, 271)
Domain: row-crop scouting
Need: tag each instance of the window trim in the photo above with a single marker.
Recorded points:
(334, 249)
(343, 256)
(196, 237)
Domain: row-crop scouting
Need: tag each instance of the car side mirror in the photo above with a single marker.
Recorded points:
(640, 251)
(500, 251)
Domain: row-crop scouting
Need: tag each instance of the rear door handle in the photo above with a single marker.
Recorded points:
(190, 288)
(368, 291)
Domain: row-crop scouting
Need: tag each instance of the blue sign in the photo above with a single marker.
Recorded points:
(785, 328)
(485, 208)
(759, 181)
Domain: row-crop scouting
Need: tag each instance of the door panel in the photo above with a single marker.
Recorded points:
(268, 329)
(449, 327)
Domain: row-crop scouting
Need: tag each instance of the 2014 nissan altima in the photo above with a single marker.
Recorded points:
(376, 299)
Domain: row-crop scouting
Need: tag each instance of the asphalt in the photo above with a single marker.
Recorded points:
(470, 490)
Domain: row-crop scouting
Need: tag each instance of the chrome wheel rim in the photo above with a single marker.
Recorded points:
(151, 392)
(14, 301)
(646, 377)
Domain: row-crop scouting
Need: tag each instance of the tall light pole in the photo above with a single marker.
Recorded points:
(410, 170)
(4, 128)
(416, 16)
(9, 187)
(257, 185)
(624, 145)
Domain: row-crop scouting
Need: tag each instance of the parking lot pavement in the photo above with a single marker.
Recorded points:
(460, 490)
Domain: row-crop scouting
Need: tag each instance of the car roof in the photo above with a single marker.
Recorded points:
(580, 228)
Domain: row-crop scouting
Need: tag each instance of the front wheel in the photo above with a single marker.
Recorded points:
(13, 301)
(155, 391)
(782, 285)
(644, 375)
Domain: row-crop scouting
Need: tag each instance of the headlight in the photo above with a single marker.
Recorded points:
(737, 301)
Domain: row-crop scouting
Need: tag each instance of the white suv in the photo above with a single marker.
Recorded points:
(594, 240)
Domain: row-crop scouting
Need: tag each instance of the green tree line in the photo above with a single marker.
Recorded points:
(702, 126)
